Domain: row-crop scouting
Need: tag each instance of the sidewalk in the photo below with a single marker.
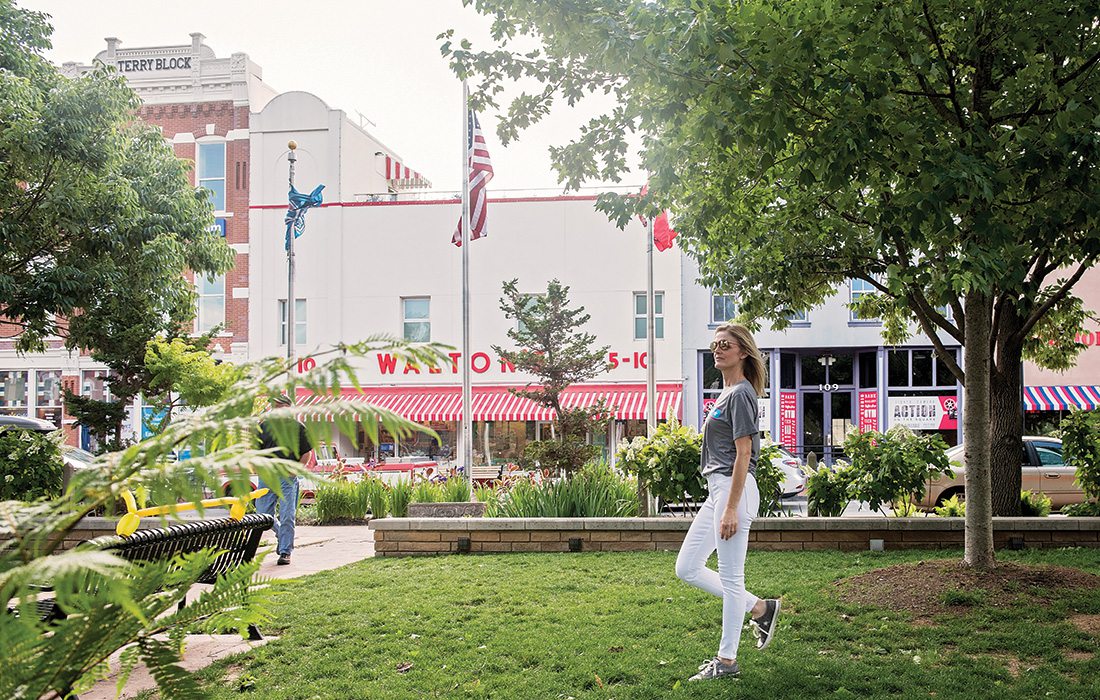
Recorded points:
(316, 549)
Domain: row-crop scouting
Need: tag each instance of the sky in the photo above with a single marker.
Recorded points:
(380, 59)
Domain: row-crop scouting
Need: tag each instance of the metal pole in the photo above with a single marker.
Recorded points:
(467, 392)
(651, 325)
(293, 158)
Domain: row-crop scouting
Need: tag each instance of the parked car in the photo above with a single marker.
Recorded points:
(1042, 471)
(794, 476)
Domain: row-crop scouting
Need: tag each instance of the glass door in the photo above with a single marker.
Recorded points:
(827, 416)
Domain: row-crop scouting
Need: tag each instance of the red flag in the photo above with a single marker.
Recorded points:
(480, 171)
(662, 229)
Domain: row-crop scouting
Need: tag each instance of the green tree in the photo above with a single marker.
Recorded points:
(183, 373)
(941, 150)
(98, 220)
(551, 346)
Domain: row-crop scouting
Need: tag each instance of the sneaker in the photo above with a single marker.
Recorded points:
(716, 669)
(284, 560)
(763, 627)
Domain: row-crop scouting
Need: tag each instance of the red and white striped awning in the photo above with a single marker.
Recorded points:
(1061, 398)
(400, 175)
(424, 404)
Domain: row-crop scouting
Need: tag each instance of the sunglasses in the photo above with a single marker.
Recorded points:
(722, 344)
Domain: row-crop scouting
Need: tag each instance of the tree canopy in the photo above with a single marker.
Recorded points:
(98, 220)
(941, 150)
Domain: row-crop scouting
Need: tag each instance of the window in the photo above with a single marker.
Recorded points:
(868, 369)
(722, 308)
(416, 319)
(48, 395)
(897, 364)
(13, 393)
(1050, 453)
(640, 315)
(921, 367)
(211, 167)
(856, 289)
(299, 322)
(211, 307)
(798, 317)
(529, 301)
(93, 384)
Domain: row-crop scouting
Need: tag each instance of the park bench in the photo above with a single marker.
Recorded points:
(235, 540)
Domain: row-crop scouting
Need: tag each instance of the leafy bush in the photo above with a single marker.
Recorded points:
(565, 456)
(400, 495)
(894, 467)
(769, 480)
(1034, 504)
(456, 489)
(595, 491)
(1081, 449)
(427, 491)
(377, 495)
(30, 465)
(953, 507)
(667, 464)
(827, 490)
(338, 501)
(1088, 509)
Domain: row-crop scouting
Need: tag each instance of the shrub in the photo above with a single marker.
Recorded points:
(30, 465)
(339, 501)
(400, 495)
(769, 480)
(1081, 449)
(595, 491)
(667, 464)
(894, 467)
(1034, 504)
(376, 494)
(427, 491)
(827, 490)
(456, 489)
(903, 509)
(953, 507)
(1089, 509)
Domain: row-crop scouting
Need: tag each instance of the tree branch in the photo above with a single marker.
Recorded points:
(1038, 312)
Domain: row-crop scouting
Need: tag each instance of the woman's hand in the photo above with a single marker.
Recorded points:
(728, 527)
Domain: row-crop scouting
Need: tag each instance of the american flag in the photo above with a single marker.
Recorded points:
(480, 169)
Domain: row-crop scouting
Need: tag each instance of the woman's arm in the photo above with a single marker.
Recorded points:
(743, 445)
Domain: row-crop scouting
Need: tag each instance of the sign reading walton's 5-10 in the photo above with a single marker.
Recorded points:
(134, 65)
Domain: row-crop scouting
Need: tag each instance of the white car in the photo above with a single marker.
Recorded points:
(794, 476)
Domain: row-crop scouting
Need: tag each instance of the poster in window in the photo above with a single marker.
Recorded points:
(925, 412)
(868, 411)
(788, 419)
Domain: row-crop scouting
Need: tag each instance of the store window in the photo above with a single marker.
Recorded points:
(13, 393)
(211, 168)
(868, 370)
(919, 367)
(921, 362)
(48, 395)
(640, 315)
(416, 319)
(788, 378)
(897, 367)
(93, 384)
(299, 322)
(722, 308)
(857, 288)
(211, 303)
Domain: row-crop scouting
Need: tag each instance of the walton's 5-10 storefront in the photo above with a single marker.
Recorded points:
(827, 374)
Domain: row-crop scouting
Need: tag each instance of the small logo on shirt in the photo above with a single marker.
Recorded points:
(716, 413)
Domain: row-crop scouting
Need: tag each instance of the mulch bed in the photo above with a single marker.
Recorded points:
(922, 587)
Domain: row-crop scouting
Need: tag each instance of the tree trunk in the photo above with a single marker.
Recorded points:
(1006, 446)
(976, 356)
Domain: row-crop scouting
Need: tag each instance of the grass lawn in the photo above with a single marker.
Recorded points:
(608, 625)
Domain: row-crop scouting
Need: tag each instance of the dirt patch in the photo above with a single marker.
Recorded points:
(1077, 655)
(1089, 624)
(927, 588)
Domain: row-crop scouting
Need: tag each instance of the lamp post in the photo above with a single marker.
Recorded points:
(292, 157)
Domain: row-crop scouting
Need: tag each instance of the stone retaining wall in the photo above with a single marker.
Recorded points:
(418, 536)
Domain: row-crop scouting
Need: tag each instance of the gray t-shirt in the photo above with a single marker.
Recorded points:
(733, 416)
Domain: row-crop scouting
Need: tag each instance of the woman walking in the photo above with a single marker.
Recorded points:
(731, 446)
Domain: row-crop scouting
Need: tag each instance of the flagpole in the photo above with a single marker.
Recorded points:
(651, 324)
(467, 393)
(293, 158)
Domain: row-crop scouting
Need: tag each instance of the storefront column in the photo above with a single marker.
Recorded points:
(883, 390)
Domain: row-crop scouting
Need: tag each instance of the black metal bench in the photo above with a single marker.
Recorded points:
(235, 540)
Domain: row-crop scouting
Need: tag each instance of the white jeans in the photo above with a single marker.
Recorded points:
(729, 581)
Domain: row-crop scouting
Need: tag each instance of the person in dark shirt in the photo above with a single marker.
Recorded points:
(284, 509)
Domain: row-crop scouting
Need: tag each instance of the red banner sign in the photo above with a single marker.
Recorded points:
(788, 419)
(868, 411)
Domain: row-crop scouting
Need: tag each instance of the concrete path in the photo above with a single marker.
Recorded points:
(316, 549)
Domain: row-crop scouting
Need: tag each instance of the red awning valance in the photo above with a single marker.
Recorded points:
(496, 403)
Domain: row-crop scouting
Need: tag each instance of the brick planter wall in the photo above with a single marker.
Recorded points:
(91, 528)
(418, 536)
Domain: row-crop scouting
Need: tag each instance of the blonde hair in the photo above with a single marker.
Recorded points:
(756, 370)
